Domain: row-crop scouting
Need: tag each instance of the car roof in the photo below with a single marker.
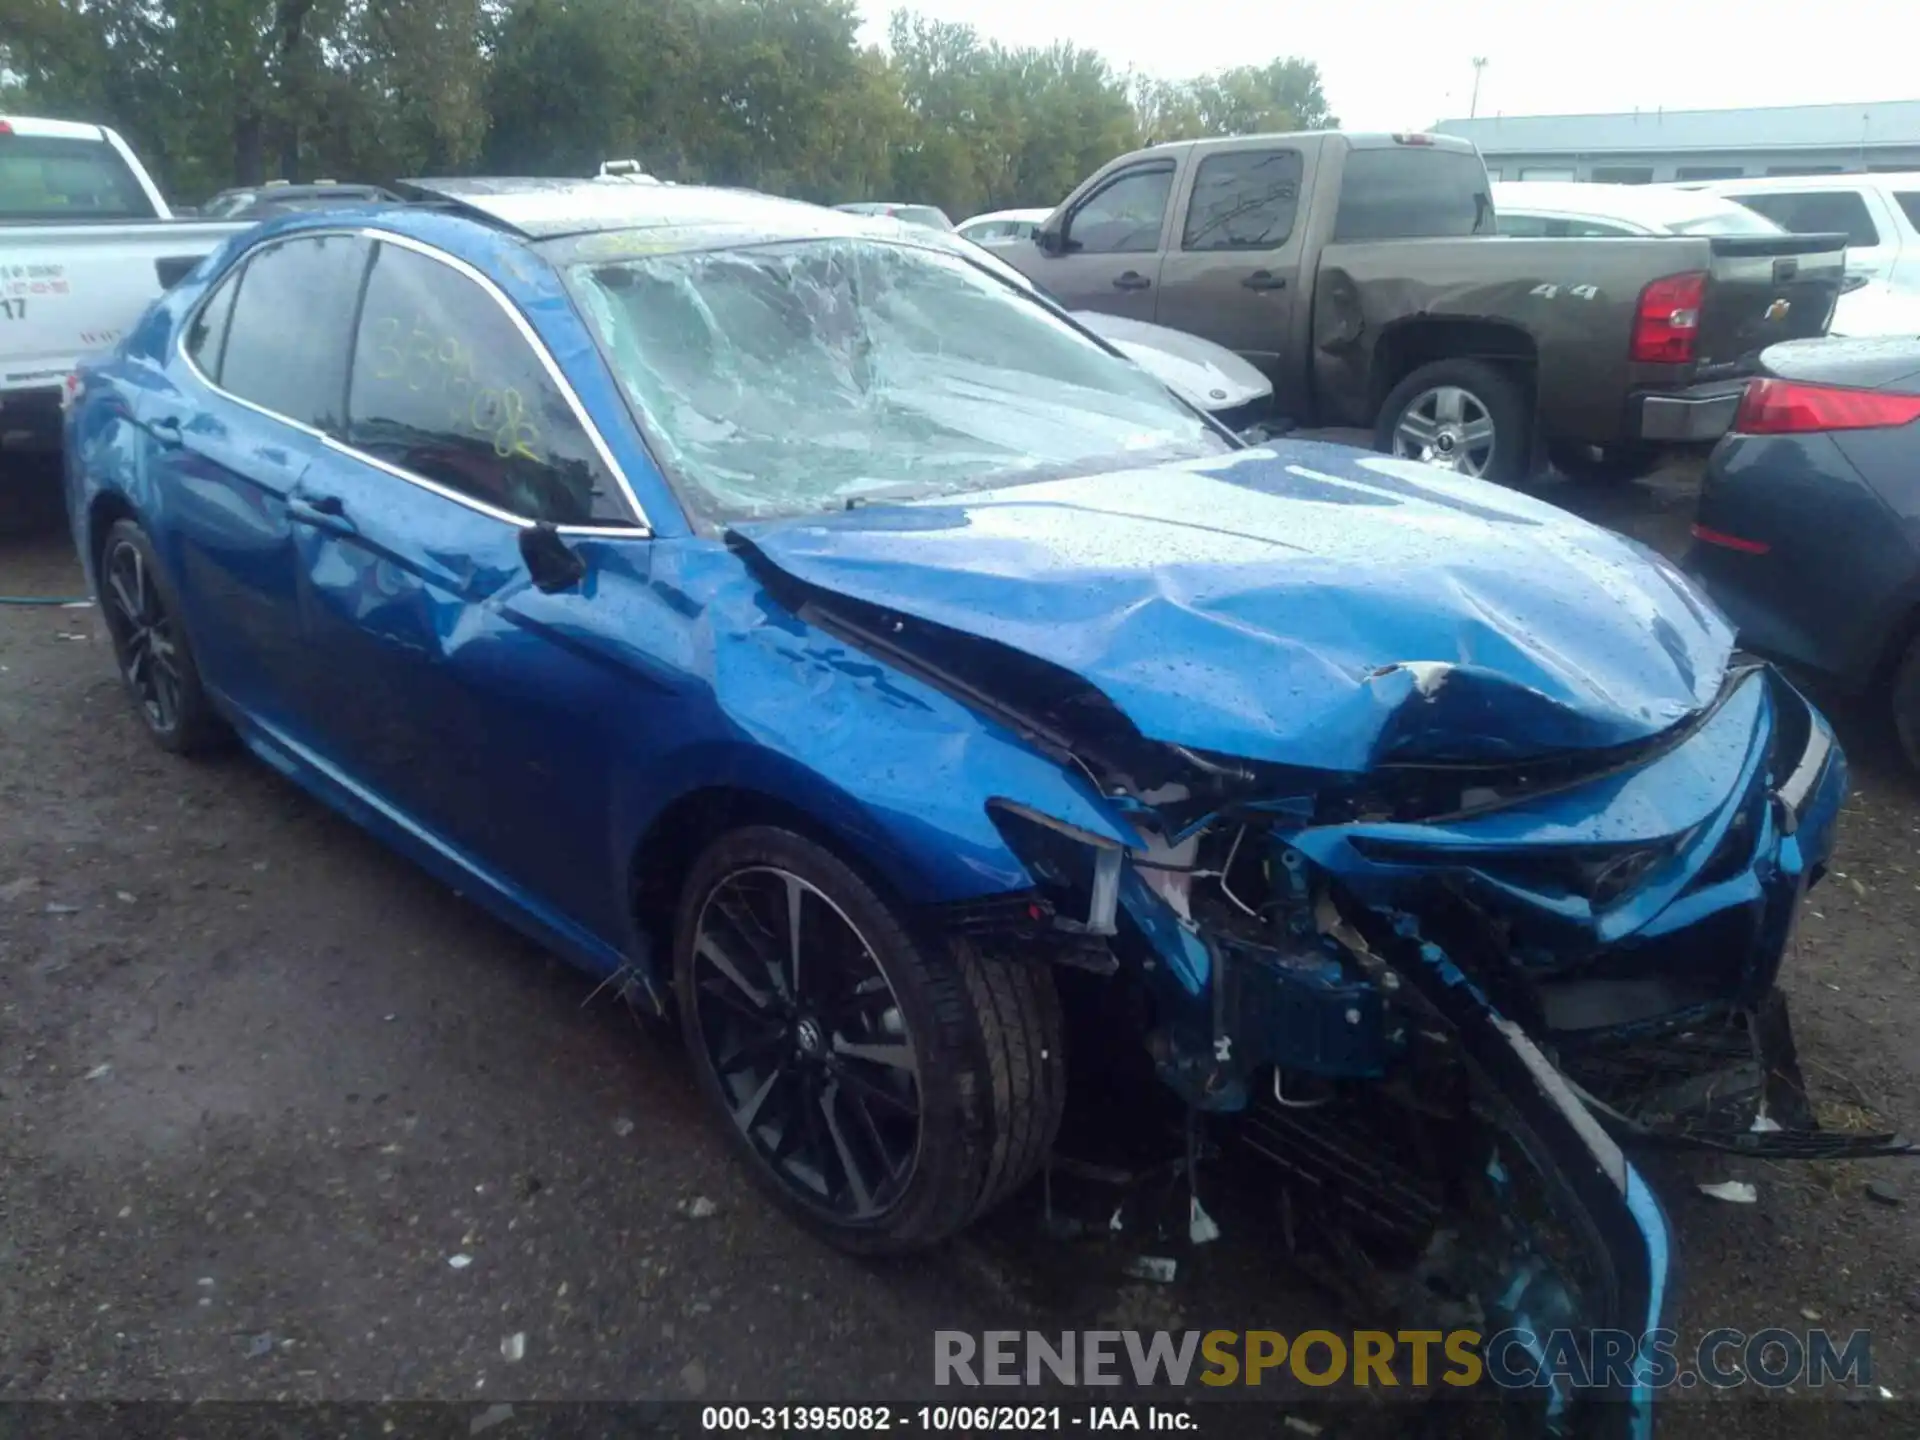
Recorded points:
(486, 222)
(1655, 206)
(33, 127)
(546, 209)
(1850, 180)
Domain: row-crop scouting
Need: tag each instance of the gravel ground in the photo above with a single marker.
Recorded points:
(281, 1117)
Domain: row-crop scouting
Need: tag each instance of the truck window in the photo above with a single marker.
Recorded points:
(1125, 214)
(55, 179)
(1910, 204)
(1817, 212)
(1243, 200)
(1408, 192)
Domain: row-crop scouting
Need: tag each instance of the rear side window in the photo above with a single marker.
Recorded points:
(447, 388)
(1910, 206)
(1817, 212)
(42, 178)
(206, 337)
(1406, 192)
(1243, 200)
(292, 325)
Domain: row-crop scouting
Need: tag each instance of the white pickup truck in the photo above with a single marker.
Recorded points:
(86, 244)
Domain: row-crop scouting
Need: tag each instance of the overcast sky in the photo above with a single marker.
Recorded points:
(1393, 66)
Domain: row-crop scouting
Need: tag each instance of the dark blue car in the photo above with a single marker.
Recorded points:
(803, 628)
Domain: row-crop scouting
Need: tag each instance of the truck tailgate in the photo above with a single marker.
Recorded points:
(73, 289)
(1762, 289)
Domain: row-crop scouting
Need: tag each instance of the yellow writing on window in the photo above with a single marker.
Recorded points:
(413, 357)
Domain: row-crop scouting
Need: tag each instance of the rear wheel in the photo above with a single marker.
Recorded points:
(883, 1088)
(1906, 702)
(150, 645)
(1460, 415)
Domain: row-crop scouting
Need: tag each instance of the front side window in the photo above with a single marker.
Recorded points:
(787, 378)
(292, 326)
(1243, 200)
(446, 387)
(1124, 216)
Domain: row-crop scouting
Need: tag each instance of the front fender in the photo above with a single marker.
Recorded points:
(899, 771)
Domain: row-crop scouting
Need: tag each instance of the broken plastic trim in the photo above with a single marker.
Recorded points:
(1104, 894)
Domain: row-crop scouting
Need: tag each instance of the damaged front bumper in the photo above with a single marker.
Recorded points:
(1417, 1019)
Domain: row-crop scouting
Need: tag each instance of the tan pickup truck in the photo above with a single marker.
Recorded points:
(1366, 275)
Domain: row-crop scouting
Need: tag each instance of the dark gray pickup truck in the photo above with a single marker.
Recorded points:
(1365, 275)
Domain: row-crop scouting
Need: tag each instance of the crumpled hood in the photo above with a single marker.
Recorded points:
(1304, 603)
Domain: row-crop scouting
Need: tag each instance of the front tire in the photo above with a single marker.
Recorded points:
(151, 648)
(884, 1087)
(1460, 415)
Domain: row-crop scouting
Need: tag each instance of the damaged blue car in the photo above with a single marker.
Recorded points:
(838, 648)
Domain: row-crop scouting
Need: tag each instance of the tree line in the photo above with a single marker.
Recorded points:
(778, 95)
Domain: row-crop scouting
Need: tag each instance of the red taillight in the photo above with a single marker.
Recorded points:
(1404, 139)
(1668, 319)
(1730, 542)
(1785, 407)
(70, 390)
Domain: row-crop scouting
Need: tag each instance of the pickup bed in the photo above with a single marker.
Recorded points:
(1365, 274)
(86, 244)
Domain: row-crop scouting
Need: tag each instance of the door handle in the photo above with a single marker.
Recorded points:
(1265, 280)
(327, 511)
(1131, 280)
(166, 433)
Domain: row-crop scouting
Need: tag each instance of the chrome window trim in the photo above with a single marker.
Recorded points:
(641, 528)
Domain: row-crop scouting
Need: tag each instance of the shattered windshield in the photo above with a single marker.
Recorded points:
(801, 376)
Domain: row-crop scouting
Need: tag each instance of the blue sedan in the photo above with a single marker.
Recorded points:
(837, 646)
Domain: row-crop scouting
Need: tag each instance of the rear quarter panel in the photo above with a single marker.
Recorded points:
(1573, 300)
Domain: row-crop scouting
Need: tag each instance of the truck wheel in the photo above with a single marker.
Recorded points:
(883, 1087)
(1906, 702)
(1609, 464)
(1460, 415)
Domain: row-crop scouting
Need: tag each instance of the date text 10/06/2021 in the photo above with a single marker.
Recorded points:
(939, 1419)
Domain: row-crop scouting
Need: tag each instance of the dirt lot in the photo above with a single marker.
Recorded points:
(262, 1087)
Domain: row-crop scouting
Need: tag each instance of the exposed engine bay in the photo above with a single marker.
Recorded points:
(1440, 993)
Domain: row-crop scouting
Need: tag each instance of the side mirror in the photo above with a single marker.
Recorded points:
(552, 564)
(1050, 237)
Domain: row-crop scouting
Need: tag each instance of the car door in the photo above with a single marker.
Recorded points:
(233, 422)
(1234, 269)
(458, 692)
(1110, 243)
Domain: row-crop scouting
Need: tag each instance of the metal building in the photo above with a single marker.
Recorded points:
(1654, 145)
